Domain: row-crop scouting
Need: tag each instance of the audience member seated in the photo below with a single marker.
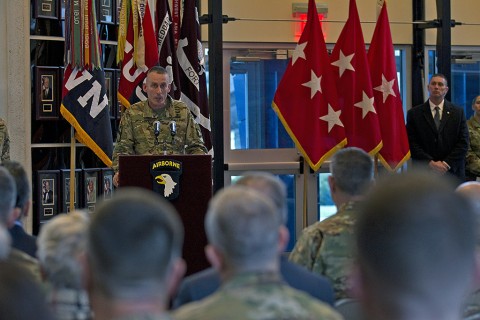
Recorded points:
(204, 283)
(8, 197)
(415, 240)
(21, 297)
(325, 246)
(61, 246)
(5, 242)
(471, 190)
(246, 237)
(20, 239)
(133, 256)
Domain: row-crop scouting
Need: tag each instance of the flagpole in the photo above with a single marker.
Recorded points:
(305, 197)
(72, 168)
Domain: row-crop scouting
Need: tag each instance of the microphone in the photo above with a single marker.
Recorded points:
(173, 128)
(156, 128)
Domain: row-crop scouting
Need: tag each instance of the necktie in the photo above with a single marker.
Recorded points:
(436, 117)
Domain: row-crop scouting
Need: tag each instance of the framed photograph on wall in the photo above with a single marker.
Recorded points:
(90, 188)
(47, 191)
(46, 9)
(105, 11)
(111, 84)
(66, 205)
(107, 183)
(46, 93)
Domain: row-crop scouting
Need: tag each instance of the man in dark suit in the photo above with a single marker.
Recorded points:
(20, 239)
(437, 132)
(204, 283)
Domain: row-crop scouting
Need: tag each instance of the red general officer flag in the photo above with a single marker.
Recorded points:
(354, 86)
(140, 50)
(395, 150)
(306, 99)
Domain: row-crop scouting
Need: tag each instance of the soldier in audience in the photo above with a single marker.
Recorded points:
(21, 297)
(204, 283)
(415, 240)
(246, 236)
(325, 247)
(133, 256)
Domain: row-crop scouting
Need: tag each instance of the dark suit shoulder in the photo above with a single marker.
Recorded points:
(302, 279)
(23, 241)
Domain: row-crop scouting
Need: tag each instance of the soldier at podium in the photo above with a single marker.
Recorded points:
(160, 125)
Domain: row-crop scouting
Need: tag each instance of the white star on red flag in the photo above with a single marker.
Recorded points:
(366, 104)
(332, 118)
(299, 52)
(386, 88)
(313, 84)
(344, 63)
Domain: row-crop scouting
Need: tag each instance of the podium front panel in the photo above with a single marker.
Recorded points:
(195, 191)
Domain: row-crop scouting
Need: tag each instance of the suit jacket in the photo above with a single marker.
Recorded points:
(201, 284)
(449, 143)
(23, 241)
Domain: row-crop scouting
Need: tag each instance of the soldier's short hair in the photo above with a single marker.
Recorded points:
(415, 237)
(133, 240)
(244, 226)
(267, 184)
(157, 69)
(352, 169)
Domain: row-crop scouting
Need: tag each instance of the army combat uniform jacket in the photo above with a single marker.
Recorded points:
(4, 141)
(325, 248)
(472, 166)
(136, 133)
(255, 295)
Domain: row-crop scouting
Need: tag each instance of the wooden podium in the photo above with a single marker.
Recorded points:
(195, 190)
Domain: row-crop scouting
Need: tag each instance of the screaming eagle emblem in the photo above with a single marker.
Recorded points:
(166, 177)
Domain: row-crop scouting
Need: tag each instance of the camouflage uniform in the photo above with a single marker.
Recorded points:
(23, 260)
(136, 135)
(472, 309)
(325, 248)
(254, 296)
(4, 141)
(473, 154)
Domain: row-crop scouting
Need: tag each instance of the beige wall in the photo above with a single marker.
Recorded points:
(247, 31)
(465, 11)
(3, 58)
